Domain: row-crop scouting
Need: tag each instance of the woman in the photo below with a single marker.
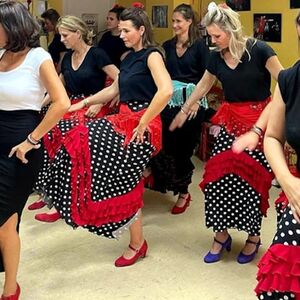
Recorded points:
(96, 177)
(56, 48)
(26, 72)
(83, 72)
(237, 177)
(111, 42)
(279, 276)
(186, 59)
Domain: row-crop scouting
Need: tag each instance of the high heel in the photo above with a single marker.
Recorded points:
(246, 258)
(15, 296)
(37, 205)
(211, 258)
(48, 218)
(176, 210)
(139, 253)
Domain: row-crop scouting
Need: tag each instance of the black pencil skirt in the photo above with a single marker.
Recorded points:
(16, 178)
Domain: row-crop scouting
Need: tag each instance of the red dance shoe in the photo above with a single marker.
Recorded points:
(139, 253)
(15, 296)
(48, 218)
(37, 205)
(176, 210)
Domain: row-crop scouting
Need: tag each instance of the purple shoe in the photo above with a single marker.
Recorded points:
(246, 258)
(211, 258)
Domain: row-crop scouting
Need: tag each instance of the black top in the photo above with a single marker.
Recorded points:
(89, 78)
(289, 84)
(135, 79)
(191, 65)
(113, 46)
(250, 80)
(56, 47)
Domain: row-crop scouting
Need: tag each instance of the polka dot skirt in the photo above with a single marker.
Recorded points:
(231, 202)
(116, 170)
(277, 296)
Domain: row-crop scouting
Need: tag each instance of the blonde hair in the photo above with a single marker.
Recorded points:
(228, 20)
(73, 24)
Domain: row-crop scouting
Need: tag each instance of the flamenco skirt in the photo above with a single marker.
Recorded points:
(95, 178)
(236, 187)
(279, 269)
(16, 179)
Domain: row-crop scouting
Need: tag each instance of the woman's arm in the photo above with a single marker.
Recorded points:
(202, 88)
(59, 105)
(164, 92)
(273, 148)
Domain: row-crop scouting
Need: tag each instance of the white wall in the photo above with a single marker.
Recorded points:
(79, 7)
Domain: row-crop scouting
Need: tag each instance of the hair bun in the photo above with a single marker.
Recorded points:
(138, 5)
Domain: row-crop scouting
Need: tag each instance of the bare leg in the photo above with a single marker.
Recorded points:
(249, 248)
(221, 237)
(181, 199)
(10, 250)
(136, 237)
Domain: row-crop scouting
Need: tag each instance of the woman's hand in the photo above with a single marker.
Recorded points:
(138, 134)
(249, 141)
(178, 121)
(93, 110)
(193, 111)
(291, 188)
(77, 106)
(21, 149)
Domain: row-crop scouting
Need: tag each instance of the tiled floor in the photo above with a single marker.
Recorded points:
(59, 263)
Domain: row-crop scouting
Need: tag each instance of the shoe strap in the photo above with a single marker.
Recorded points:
(135, 250)
(222, 244)
(184, 197)
(254, 243)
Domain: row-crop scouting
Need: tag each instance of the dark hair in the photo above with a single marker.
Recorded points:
(297, 20)
(188, 14)
(139, 18)
(21, 28)
(117, 10)
(52, 15)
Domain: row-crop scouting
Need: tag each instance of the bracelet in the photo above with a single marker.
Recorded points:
(184, 112)
(257, 130)
(86, 102)
(31, 140)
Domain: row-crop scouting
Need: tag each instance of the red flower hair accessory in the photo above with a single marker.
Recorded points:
(138, 5)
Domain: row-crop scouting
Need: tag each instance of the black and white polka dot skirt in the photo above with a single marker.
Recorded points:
(235, 187)
(279, 269)
(95, 179)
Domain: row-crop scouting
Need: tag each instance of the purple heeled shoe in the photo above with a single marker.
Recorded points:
(246, 258)
(211, 258)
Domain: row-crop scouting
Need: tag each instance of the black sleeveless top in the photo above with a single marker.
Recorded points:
(135, 79)
(289, 85)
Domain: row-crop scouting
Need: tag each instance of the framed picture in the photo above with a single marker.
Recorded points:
(239, 5)
(294, 3)
(160, 16)
(267, 27)
(91, 21)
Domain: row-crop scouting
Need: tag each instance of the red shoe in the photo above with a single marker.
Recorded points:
(15, 296)
(139, 253)
(37, 205)
(176, 210)
(48, 218)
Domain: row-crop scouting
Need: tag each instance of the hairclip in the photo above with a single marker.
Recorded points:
(212, 6)
(138, 5)
(116, 5)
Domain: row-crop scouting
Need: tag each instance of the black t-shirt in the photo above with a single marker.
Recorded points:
(250, 80)
(113, 46)
(289, 84)
(89, 78)
(56, 47)
(135, 79)
(191, 65)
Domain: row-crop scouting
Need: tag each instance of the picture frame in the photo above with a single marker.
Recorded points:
(294, 4)
(267, 27)
(160, 16)
(239, 5)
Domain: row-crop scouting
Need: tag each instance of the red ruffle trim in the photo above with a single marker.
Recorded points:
(279, 270)
(126, 120)
(84, 211)
(244, 166)
(238, 118)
